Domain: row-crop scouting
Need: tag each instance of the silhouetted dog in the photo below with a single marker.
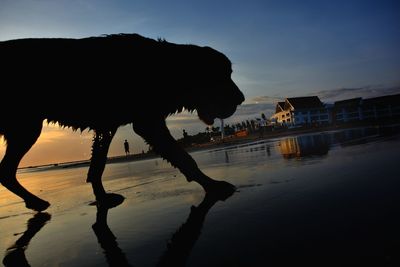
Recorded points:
(142, 80)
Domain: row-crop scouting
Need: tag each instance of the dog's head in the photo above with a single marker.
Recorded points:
(216, 96)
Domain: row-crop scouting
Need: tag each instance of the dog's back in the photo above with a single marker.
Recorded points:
(78, 82)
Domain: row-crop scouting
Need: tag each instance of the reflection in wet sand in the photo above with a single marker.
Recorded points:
(108, 242)
(226, 157)
(15, 254)
(178, 247)
(303, 146)
(320, 143)
(183, 240)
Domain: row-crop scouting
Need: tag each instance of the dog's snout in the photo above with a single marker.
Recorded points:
(239, 95)
(240, 98)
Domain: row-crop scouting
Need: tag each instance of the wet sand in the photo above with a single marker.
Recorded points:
(320, 199)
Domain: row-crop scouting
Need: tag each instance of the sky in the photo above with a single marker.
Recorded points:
(334, 49)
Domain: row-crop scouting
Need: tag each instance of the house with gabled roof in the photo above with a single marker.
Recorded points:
(280, 106)
(279, 116)
(301, 111)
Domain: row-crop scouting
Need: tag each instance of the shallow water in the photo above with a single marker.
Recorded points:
(326, 199)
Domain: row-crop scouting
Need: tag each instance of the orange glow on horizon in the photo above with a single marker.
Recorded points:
(57, 144)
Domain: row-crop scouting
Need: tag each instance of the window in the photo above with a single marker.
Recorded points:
(351, 109)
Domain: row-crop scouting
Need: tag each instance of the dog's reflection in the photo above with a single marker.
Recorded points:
(183, 240)
(15, 254)
(108, 242)
(178, 247)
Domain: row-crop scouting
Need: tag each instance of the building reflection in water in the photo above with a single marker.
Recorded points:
(304, 146)
(320, 143)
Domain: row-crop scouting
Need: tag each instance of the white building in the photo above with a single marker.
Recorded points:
(296, 111)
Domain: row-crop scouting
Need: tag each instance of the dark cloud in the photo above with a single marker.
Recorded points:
(266, 104)
(333, 95)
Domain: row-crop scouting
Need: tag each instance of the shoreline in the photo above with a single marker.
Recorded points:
(281, 133)
(227, 141)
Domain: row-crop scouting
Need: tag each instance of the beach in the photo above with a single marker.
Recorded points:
(320, 199)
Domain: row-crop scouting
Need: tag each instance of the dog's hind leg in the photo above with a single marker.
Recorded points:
(19, 141)
(101, 144)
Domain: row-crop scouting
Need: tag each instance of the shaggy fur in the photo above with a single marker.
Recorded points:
(142, 80)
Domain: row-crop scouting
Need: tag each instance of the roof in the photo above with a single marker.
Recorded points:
(352, 102)
(387, 99)
(279, 107)
(306, 102)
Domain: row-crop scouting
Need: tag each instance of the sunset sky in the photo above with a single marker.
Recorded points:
(333, 49)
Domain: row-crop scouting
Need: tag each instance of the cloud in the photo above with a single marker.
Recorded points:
(251, 111)
(254, 109)
(333, 95)
(265, 99)
(184, 120)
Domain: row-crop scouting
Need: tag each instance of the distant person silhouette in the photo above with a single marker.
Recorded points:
(126, 146)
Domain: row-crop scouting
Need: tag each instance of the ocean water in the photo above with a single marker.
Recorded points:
(323, 199)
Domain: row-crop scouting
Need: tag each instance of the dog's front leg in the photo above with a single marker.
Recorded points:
(158, 136)
(101, 144)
